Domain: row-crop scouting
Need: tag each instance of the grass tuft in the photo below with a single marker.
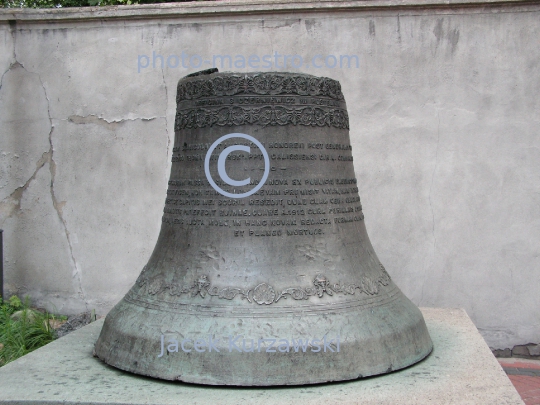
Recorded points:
(22, 329)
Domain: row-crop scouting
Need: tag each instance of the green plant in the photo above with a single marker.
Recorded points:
(22, 329)
(15, 302)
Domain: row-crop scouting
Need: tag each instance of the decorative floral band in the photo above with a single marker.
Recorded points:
(263, 293)
(259, 84)
(266, 115)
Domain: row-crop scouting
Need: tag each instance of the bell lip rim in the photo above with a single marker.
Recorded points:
(295, 384)
(384, 364)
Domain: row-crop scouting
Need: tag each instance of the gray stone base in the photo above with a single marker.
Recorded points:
(461, 370)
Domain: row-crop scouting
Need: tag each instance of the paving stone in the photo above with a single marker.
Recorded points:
(530, 350)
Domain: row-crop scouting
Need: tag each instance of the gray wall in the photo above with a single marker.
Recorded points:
(445, 126)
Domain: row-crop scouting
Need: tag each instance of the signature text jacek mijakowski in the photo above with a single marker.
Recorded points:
(239, 344)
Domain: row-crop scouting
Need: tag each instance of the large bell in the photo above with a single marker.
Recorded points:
(263, 272)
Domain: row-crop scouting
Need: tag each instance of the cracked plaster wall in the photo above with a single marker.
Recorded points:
(444, 116)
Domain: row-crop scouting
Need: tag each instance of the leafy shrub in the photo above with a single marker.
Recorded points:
(14, 302)
(22, 329)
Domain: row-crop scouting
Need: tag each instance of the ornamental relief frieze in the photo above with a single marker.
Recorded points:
(264, 116)
(263, 293)
(258, 84)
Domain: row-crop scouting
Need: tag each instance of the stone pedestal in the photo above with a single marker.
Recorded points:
(460, 370)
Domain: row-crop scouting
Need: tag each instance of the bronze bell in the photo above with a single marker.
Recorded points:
(263, 272)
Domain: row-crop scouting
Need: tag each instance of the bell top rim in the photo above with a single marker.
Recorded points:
(212, 83)
(214, 72)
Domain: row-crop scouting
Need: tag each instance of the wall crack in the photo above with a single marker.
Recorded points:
(58, 206)
(430, 200)
(166, 120)
(433, 177)
(15, 197)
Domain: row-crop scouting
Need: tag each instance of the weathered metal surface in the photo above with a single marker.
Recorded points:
(262, 244)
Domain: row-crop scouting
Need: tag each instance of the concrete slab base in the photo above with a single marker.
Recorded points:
(460, 370)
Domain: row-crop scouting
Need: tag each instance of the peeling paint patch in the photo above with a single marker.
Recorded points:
(272, 24)
(11, 204)
(110, 125)
(93, 119)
